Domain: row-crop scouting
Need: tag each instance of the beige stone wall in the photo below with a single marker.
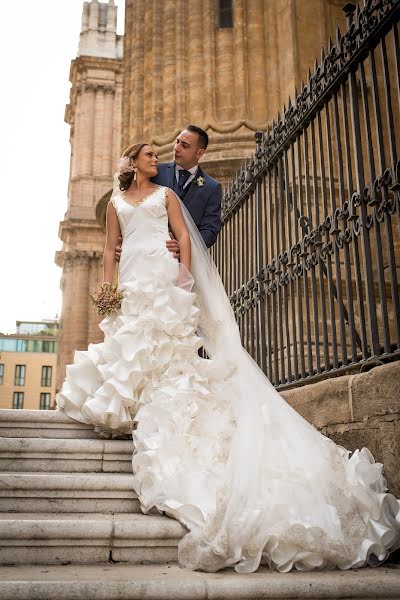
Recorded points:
(32, 388)
(356, 411)
(180, 67)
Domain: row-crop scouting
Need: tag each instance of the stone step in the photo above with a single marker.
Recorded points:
(42, 424)
(67, 493)
(34, 538)
(166, 582)
(65, 455)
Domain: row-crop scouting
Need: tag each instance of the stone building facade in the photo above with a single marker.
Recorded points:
(94, 115)
(228, 66)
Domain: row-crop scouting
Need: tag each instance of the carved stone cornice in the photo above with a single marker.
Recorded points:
(68, 259)
(99, 87)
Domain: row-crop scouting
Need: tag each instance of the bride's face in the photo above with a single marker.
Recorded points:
(146, 161)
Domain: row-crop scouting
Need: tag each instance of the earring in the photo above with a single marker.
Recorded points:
(134, 173)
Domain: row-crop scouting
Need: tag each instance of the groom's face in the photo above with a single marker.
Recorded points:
(187, 151)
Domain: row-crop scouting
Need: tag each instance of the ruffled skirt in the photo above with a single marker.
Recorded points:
(251, 480)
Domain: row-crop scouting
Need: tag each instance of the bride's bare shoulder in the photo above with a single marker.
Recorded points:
(170, 194)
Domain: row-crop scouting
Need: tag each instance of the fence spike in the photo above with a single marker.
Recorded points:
(338, 35)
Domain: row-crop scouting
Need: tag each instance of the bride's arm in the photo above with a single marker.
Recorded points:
(113, 232)
(179, 228)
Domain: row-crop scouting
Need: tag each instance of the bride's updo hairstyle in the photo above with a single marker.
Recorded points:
(126, 171)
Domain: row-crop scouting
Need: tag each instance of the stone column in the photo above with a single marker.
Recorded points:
(169, 72)
(257, 72)
(107, 165)
(76, 135)
(95, 334)
(99, 141)
(79, 324)
(138, 75)
(197, 74)
(86, 157)
(240, 60)
(209, 17)
(157, 66)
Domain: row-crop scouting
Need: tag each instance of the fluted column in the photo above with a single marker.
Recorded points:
(138, 73)
(240, 60)
(197, 74)
(79, 324)
(181, 62)
(225, 75)
(209, 21)
(99, 143)
(169, 82)
(257, 73)
(148, 33)
(106, 165)
(87, 131)
(95, 334)
(157, 98)
(76, 138)
(273, 94)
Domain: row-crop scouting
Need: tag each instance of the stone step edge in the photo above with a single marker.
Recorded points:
(39, 446)
(65, 481)
(34, 529)
(166, 581)
(45, 424)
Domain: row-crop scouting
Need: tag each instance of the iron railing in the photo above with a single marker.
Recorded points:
(310, 243)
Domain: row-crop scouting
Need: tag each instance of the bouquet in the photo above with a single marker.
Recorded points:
(108, 300)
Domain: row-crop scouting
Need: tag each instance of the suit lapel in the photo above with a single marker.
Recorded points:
(171, 176)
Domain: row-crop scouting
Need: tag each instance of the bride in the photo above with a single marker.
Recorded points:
(215, 445)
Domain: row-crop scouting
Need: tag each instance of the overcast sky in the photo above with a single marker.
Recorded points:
(39, 39)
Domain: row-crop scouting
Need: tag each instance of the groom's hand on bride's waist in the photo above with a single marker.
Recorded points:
(118, 249)
(173, 246)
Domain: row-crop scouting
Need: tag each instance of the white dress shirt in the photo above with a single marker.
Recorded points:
(192, 172)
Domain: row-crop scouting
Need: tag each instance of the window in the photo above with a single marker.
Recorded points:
(46, 376)
(1, 373)
(45, 400)
(25, 345)
(225, 14)
(18, 400)
(20, 374)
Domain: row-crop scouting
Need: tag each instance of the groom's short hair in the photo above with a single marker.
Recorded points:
(203, 137)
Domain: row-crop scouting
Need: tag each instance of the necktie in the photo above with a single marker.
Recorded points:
(183, 177)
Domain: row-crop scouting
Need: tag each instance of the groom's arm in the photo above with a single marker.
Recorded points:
(211, 221)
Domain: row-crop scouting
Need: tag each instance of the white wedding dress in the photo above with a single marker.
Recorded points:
(215, 445)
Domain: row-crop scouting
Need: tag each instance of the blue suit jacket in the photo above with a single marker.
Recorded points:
(203, 202)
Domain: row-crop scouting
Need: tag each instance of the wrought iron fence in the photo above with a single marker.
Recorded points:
(310, 243)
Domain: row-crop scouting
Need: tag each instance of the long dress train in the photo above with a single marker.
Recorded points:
(215, 445)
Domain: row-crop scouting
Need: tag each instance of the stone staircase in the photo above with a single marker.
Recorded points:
(71, 527)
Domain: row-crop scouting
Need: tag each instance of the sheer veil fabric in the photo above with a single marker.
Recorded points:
(215, 445)
(290, 497)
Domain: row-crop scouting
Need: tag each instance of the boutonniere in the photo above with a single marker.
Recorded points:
(200, 181)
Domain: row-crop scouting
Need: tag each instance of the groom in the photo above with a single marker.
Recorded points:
(200, 193)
